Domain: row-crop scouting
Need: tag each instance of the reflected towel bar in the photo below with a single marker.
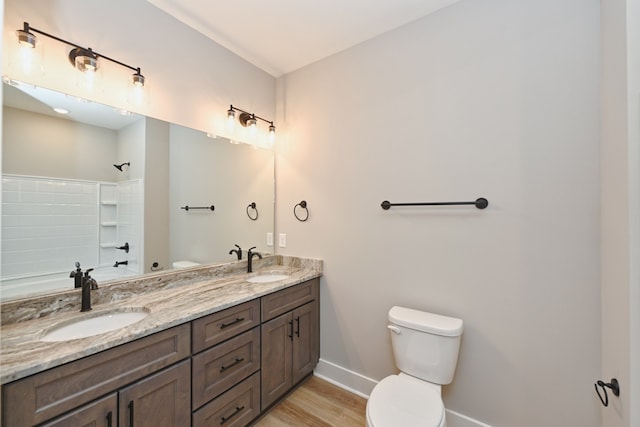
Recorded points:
(479, 203)
(187, 208)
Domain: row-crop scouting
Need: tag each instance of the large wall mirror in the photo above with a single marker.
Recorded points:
(111, 191)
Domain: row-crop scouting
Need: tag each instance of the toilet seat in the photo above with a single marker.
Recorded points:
(400, 400)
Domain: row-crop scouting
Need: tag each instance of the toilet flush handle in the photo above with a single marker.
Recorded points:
(394, 329)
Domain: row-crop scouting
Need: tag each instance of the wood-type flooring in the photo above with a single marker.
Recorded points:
(317, 403)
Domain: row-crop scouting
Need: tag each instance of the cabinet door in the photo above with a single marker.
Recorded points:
(277, 336)
(305, 340)
(162, 399)
(101, 413)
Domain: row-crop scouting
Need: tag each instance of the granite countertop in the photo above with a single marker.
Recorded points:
(171, 298)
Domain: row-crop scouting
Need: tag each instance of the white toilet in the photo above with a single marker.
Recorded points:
(425, 347)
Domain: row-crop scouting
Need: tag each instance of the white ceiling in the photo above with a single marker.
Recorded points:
(281, 36)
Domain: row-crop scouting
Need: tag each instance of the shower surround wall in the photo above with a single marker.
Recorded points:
(48, 224)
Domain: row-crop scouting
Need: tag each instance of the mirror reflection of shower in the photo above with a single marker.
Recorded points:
(120, 166)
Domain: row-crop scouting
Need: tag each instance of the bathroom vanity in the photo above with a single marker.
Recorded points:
(217, 347)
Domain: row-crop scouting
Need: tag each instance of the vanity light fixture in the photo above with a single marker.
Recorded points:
(84, 59)
(250, 120)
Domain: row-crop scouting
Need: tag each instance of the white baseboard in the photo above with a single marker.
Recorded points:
(362, 386)
(344, 378)
(455, 419)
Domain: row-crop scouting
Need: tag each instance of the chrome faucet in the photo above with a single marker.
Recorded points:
(237, 251)
(250, 256)
(88, 284)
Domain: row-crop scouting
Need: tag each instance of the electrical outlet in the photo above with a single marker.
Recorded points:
(269, 239)
(283, 240)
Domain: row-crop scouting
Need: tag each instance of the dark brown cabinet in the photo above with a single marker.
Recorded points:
(226, 368)
(306, 340)
(235, 408)
(223, 366)
(291, 341)
(101, 413)
(159, 400)
(43, 396)
(222, 369)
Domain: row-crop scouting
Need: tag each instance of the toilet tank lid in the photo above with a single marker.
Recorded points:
(426, 322)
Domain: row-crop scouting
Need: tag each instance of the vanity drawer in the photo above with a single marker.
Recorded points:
(217, 327)
(42, 396)
(219, 368)
(277, 303)
(235, 408)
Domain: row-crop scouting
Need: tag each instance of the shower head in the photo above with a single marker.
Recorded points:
(119, 167)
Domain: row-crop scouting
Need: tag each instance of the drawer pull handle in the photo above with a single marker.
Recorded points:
(233, 322)
(109, 419)
(131, 413)
(234, 363)
(298, 326)
(236, 412)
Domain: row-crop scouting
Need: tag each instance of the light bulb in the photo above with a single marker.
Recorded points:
(138, 79)
(26, 38)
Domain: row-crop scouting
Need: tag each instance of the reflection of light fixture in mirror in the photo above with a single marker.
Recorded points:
(84, 59)
(250, 120)
(119, 167)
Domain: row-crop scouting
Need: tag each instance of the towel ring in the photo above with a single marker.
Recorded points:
(252, 205)
(303, 205)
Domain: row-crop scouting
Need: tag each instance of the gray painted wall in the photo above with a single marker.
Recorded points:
(493, 98)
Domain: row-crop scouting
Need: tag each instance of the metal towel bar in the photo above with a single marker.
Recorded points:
(479, 203)
(187, 208)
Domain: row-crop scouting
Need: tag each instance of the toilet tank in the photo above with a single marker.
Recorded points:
(425, 345)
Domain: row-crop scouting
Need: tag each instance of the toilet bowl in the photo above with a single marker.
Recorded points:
(425, 349)
(401, 400)
(185, 264)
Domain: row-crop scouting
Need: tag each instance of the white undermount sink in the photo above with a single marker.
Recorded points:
(94, 325)
(266, 278)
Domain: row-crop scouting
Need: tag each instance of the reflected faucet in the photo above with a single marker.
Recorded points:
(76, 275)
(237, 251)
(88, 284)
(250, 256)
